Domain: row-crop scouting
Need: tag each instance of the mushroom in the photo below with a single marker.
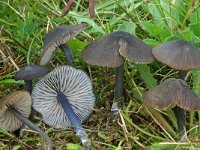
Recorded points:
(182, 56)
(110, 51)
(69, 6)
(58, 38)
(178, 54)
(173, 93)
(15, 109)
(28, 73)
(170, 93)
(65, 98)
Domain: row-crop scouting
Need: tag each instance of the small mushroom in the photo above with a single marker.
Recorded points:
(15, 109)
(65, 98)
(111, 50)
(58, 38)
(178, 54)
(28, 73)
(172, 93)
(182, 56)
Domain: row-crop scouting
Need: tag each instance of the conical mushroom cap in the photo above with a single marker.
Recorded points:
(21, 101)
(188, 100)
(31, 72)
(104, 51)
(111, 50)
(77, 88)
(170, 93)
(134, 49)
(163, 95)
(56, 37)
(179, 55)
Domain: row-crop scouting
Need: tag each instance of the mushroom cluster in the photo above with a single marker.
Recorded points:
(64, 96)
(182, 56)
(65, 92)
(113, 49)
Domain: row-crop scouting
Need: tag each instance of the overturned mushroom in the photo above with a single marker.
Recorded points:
(58, 38)
(182, 56)
(15, 109)
(111, 50)
(65, 98)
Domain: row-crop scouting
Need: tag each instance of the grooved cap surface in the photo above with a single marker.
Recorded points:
(21, 101)
(77, 88)
(56, 37)
(111, 50)
(179, 55)
(170, 93)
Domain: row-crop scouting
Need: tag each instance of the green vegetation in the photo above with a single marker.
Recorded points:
(23, 25)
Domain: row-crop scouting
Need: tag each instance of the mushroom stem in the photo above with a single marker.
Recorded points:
(119, 85)
(180, 114)
(75, 121)
(68, 53)
(182, 75)
(28, 85)
(32, 126)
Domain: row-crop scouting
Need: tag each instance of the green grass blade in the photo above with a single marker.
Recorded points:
(6, 133)
(16, 147)
(11, 81)
(29, 52)
(146, 75)
(162, 122)
(140, 129)
(196, 82)
(196, 89)
(159, 8)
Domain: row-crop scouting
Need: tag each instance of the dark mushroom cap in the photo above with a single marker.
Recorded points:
(109, 50)
(56, 37)
(77, 88)
(31, 72)
(179, 55)
(135, 49)
(172, 92)
(21, 101)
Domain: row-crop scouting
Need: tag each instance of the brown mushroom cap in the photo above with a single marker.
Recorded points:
(56, 37)
(178, 54)
(21, 101)
(134, 49)
(170, 93)
(109, 50)
(104, 51)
